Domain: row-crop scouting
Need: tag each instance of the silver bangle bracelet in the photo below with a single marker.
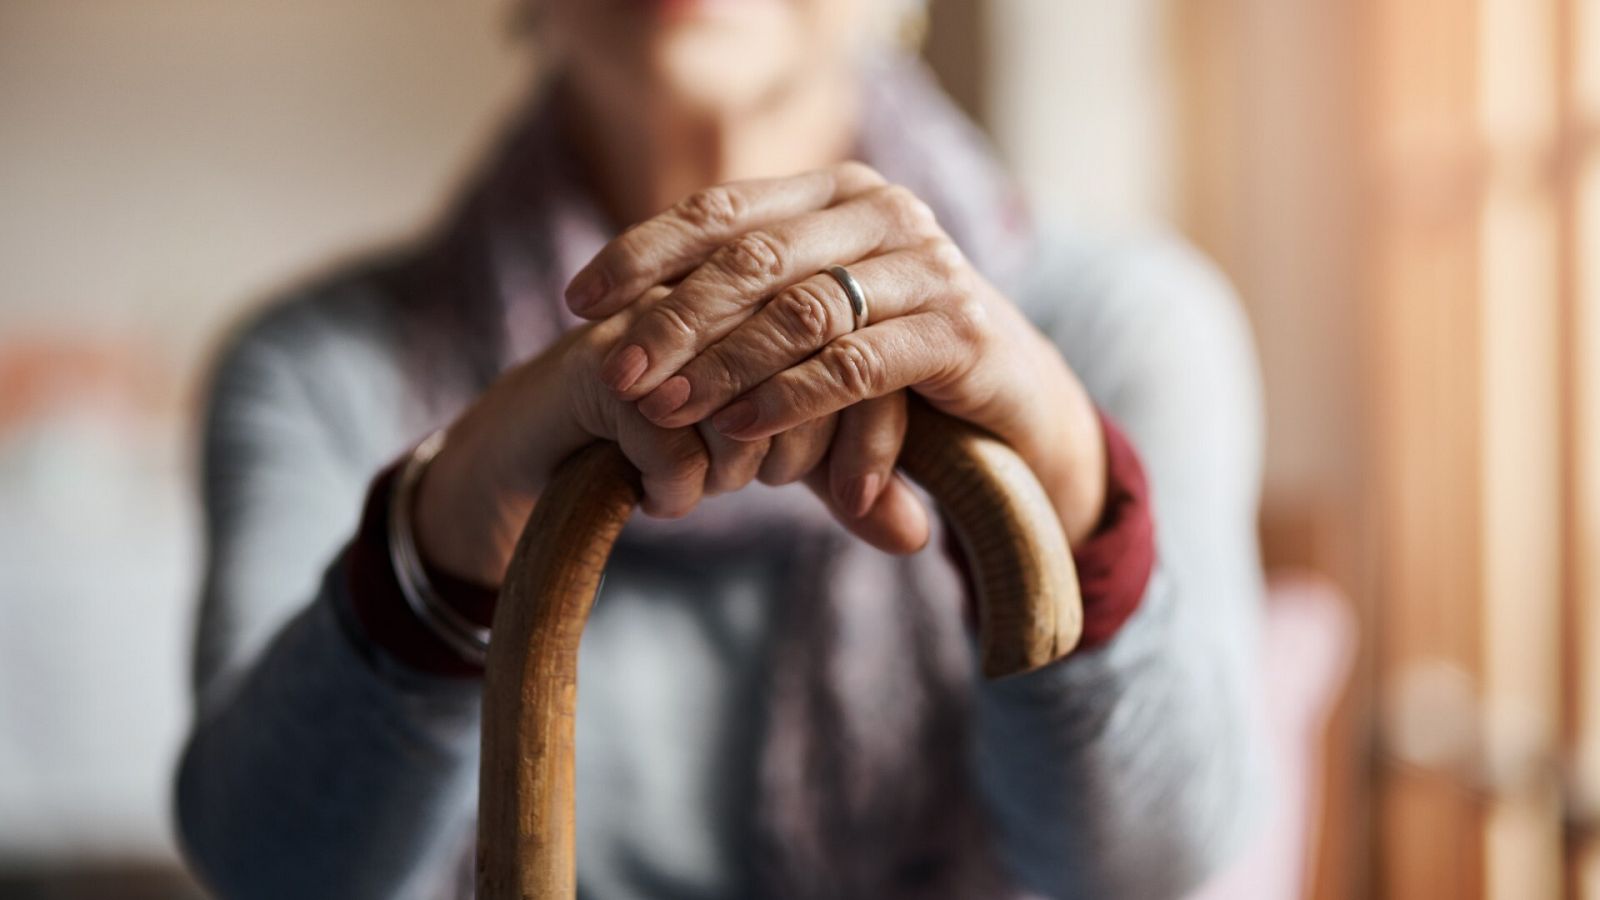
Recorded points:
(469, 639)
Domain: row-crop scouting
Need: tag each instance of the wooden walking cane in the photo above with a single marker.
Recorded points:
(1028, 607)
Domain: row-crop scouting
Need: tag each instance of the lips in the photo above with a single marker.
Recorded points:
(678, 8)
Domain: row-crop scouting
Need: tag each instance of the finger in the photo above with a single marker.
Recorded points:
(732, 464)
(797, 322)
(735, 279)
(865, 447)
(667, 246)
(672, 464)
(927, 348)
(794, 453)
(897, 523)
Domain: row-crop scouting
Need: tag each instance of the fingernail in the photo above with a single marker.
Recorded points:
(860, 494)
(624, 367)
(586, 290)
(735, 418)
(666, 399)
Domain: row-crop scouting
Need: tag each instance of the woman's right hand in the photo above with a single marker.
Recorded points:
(478, 492)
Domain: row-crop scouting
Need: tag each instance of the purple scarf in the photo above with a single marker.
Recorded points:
(865, 777)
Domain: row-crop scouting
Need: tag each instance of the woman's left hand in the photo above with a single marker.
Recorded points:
(758, 336)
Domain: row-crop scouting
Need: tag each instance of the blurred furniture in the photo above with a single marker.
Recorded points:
(1309, 647)
(97, 563)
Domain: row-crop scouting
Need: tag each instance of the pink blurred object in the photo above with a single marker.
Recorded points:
(1310, 637)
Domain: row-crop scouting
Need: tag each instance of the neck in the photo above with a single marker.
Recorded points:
(642, 154)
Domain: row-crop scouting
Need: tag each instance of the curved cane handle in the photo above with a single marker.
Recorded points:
(1029, 614)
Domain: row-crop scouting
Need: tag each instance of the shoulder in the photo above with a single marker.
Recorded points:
(311, 323)
(316, 362)
(1133, 299)
(1141, 314)
(1162, 343)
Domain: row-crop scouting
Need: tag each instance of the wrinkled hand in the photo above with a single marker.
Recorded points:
(475, 497)
(681, 463)
(756, 338)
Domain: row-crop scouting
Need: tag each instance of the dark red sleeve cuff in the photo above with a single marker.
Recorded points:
(1115, 563)
(381, 608)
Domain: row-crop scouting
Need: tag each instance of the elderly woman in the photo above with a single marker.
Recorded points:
(779, 696)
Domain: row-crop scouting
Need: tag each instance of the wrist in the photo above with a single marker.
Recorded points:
(476, 495)
(1063, 441)
(459, 516)
(387, 617)
(468, 636)
(1076, 483)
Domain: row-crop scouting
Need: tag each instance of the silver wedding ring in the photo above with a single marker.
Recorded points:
(852, 289)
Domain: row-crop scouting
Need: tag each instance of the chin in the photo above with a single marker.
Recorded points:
(702, 55)
(720, 69)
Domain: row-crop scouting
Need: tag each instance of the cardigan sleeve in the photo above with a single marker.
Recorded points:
(317, 764)
(1147, 746)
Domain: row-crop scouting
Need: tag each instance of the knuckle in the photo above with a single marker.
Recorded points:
(910, 211)
(687, 461)
(789, 393)
(856, 174)
(857, 368)
(947, 261)
(710, 209)
(721, 477)
(774, 464)
(785, 472)
(753, 257)
(673, 322)
(750, 455)
(796, 452)
(734, 464)
(970, 319)
(717, 367)
(805, 315)
(785, 463)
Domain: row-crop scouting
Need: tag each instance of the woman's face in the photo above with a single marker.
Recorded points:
(711, 55)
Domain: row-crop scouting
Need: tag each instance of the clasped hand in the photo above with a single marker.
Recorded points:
(721, 352)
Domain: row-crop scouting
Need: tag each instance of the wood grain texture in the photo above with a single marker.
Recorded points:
(526, 786)
(1030, 614)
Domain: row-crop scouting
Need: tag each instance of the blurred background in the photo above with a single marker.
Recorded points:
(1405, 192)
